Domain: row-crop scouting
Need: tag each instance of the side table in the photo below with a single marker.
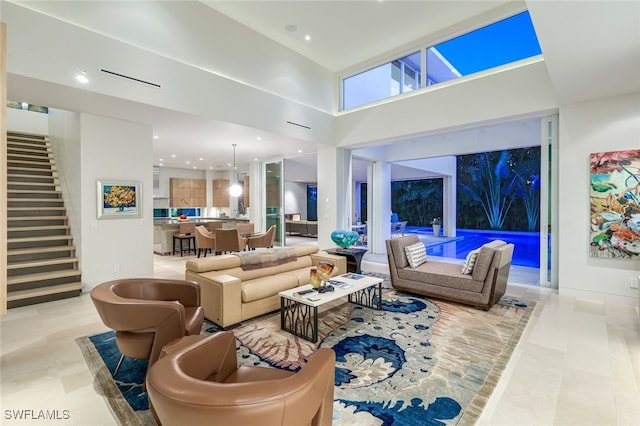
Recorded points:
(354, 257)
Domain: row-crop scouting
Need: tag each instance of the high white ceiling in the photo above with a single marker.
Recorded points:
(591, 49)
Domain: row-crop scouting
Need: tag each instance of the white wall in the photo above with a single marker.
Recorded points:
(610, 124)
(115, 248)
(64, 134)
(518, 91)
(295, 199)
(19, 120)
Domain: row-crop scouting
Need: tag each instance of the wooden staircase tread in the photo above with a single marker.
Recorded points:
(42, 262)
(29, 147)
(27, 176)
(44, 291)
(33, 192)
(37, 228)
(16, 156)
(35, 144)
(52, 171)
(48, 161)
(41, 276)
(38, 250)
(43, 218)
(18, 209)
(21, 183)
(36, 200)
(44, 238)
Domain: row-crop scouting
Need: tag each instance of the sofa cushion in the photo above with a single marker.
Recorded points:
(227, 261)
(416, 254)
(242, 275)
(397, 247)
(264, 287)
(470, 261)
(483, 261)
(442, 274)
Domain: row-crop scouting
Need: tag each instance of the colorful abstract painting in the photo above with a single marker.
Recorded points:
(615, 204)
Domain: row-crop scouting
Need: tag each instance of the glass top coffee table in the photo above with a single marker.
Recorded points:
(299, 306)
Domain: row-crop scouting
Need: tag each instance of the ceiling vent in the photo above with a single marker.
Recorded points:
(299, 125)
(128, 77)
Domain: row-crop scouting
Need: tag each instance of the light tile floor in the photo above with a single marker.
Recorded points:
(578, 362)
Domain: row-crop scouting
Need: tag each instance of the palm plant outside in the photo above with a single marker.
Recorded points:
(496, 190)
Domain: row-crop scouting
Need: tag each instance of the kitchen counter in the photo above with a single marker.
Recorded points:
(164, 228)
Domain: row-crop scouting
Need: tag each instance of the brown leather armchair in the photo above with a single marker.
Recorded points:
(229, 240)
(264, 240)
(200, 384)
(148, 313)
(205, 241)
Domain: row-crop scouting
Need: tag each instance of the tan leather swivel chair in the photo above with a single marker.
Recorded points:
(148, 313)
(229, 240)
(205, 241)
(263, 240)
(200, 384)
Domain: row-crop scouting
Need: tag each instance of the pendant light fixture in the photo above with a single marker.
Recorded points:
(235, 190)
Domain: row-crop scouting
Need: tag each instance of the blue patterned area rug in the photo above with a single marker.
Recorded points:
(416, 362)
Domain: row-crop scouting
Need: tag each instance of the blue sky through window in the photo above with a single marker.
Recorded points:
(500, 43)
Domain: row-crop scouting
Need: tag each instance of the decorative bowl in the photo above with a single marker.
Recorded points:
(344, 238)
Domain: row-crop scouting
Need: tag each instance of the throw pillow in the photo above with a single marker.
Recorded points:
(416, 254)
(470, 261)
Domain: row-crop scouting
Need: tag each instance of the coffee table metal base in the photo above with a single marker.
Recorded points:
(301, 319)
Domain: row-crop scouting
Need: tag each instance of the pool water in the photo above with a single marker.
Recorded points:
(526, 250)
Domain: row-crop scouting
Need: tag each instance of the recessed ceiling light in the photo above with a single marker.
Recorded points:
(194, 167)
(173, 156)
(201, 159)
(155, 136)
(307, 37)
(161, 160)
(82, 77)
(259, 138)
(299, 151)
(188, 162)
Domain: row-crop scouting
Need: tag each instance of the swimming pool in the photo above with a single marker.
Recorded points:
(525, 253)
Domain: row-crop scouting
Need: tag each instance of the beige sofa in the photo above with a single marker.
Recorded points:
(481, 289)
(231, 294)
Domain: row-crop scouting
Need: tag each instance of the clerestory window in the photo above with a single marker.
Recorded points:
(502, 42)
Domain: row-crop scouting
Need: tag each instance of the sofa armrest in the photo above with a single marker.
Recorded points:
(220, 297)
(339, 262)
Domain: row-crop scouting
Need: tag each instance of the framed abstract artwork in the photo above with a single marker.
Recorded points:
(615, 204)
(119, 199)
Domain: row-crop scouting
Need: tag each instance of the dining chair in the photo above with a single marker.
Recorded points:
(229, 240)
(205, 241)
(263, 240)
(245, 228)
(214, 226)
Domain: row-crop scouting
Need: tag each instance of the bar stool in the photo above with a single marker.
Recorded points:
(186, 233)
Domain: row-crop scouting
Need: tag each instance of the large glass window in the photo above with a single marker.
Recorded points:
(500, 43)
(390, 79)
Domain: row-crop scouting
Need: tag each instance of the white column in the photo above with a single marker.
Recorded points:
(256, 196)
(379, 206)
(334, 193)
(449, 201)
